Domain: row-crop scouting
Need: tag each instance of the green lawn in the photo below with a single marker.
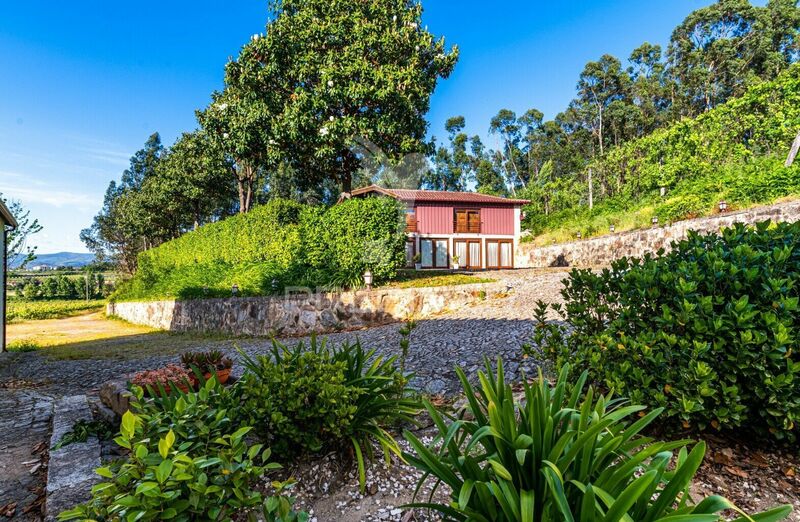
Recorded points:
(433, 278)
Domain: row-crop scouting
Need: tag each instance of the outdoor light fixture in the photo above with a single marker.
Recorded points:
(235, 290)
(578, 235)
(274, 284)
(655, 220)
(368, 279)
(723, 206)
(611, 229)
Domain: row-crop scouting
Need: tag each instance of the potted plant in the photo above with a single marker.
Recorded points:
(209, 362)
(455, 262)
(417, 261)
(154, 380)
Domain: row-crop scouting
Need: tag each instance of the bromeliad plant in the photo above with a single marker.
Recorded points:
(558, 454)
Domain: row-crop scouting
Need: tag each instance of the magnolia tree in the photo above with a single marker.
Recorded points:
(325, 74)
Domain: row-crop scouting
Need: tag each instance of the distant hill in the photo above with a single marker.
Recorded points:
(60, 259)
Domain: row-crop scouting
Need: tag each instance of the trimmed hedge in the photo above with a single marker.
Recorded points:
(709, 331)
(281, 241)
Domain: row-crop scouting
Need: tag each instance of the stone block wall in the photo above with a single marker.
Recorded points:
(601, 251)
(302, 314)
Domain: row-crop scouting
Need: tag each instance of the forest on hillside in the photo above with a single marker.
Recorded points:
(306, 105)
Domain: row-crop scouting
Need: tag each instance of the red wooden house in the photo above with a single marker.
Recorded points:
(482, 230)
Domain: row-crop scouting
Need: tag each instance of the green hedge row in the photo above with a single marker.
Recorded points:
(283, 242)
(709, 331)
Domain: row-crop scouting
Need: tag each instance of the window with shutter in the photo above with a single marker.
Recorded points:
(467, 221)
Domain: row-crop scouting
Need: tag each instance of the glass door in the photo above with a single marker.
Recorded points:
(441, 254)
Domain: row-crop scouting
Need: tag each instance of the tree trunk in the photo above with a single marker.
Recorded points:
(793, 152)
(591, 191)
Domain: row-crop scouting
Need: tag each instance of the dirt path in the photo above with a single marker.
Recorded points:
(92, 326)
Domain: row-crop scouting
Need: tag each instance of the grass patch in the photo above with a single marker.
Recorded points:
(21, 310)
(23, 345)
(425, 279)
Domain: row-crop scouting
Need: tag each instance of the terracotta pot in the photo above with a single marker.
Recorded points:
(222, 375)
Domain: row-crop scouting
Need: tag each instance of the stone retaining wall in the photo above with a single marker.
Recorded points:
(605, 249)
(302, 314)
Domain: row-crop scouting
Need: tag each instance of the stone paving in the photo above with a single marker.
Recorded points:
(492, 328)
(24, 432)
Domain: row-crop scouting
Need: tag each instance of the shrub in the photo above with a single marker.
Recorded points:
(279, 244)
(560, 455)
(309, 399)
(163, 479)
(708, 331)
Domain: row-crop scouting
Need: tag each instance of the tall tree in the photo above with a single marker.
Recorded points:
(600, 85)
(193, 181)
(131, 220)
(330, 71)
(19, 252)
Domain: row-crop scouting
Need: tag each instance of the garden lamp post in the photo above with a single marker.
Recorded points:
(235, 290)
(611, 229)
(368, 279)
(578, 235)
(274, 284)
(655, 221)
(723, 206)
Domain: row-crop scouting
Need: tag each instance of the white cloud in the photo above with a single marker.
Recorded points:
(19, 186)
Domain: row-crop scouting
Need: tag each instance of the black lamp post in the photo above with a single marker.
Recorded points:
(723, 206)
(611, 229)
(655, 221)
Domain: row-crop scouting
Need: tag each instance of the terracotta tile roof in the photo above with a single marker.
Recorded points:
(439, 196)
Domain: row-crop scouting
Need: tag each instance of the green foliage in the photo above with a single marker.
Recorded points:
(189, 460)
(283, 241)
(164, 479)
(23, 345)
(314, 98)
(734, 152)
(21, 310)
(19, 253)
(311, 398)
(82, 430)
(707, 331)
(559, 454)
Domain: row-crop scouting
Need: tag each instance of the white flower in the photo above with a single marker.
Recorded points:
(331, 118)
(394, 18)
(330, 83)
(323, 131)
(413, 25)
(222, 106)
(417, 48)
(225, 135)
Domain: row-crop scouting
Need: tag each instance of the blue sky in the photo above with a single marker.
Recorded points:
(84, 83)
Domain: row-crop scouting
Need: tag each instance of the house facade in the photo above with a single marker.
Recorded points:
(7, 222)
(481, 231)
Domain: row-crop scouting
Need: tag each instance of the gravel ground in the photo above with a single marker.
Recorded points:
(495, 327)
